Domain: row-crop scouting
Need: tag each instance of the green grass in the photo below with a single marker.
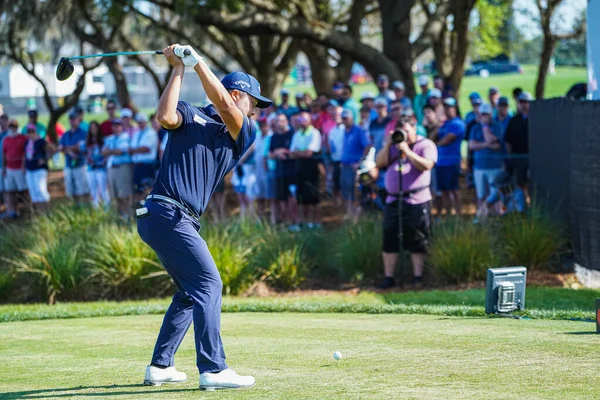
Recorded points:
(385, 356)
(541, 302)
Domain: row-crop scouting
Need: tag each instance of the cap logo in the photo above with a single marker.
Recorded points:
(243, 84)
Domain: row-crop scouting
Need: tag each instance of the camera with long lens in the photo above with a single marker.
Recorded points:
(399, 136)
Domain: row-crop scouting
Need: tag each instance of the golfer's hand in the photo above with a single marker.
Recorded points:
(189, 60)
(169, 54)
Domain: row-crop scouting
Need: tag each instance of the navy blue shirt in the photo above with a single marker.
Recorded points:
(71, 138)
(35, 155)
(279, 141)
(198, 156)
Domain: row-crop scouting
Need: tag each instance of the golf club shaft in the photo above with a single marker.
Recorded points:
(122, 53)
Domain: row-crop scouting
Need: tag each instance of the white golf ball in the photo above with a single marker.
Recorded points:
(337, 355)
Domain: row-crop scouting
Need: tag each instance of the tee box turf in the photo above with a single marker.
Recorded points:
(505, 289)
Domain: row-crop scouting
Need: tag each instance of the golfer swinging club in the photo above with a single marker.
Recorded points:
(204, 145)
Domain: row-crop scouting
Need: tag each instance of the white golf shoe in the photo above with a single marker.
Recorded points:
(226, 379)
(157, 376)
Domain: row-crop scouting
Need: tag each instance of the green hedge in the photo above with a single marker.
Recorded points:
(79, 254)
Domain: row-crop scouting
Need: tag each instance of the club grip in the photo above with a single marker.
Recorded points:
(186, 52)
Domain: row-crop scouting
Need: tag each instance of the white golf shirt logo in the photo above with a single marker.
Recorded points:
(243, 84)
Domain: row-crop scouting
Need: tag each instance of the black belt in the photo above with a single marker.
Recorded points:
(165, 199)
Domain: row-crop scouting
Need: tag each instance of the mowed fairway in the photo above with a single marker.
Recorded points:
(291, 355)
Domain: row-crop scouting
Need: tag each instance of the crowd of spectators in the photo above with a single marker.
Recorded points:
(306, 150)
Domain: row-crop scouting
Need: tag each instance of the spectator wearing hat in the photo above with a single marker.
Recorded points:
(300, 104)
(96, 162)
(421, 98)
(400, 94)
(285, 107)
(365, 118)
(144, 151)
(37, 153)
(336, 90)
(72, 144)
(13, 168)
(368, 101)
(485, 143)
(356, 145)
(83, 123)
(378, 126)
(349, 103)
(285, 172)
(305, 149)
(106, 126)
(120, 169)
(438, 83)
(435, 100)
(335, 144)
(127, 120)
(449, 138)
(503, 115)
(476, 102)
(383, 86)
(265, 179)
(493, 97)
(33, 119)
(516, 140)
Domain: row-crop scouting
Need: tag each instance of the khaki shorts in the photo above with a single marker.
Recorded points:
(76, 181)
(14, 181)
(120, 181)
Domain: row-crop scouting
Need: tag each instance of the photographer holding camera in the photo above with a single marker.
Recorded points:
(415, 156)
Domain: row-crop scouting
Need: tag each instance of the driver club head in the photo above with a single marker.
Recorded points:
(64, 69)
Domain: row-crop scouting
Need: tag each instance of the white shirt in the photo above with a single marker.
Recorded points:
(145, 138)
(336, 142)
(309, 140)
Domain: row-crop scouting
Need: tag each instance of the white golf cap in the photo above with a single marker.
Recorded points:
(423, 80)
(380, 101)
(366, 96)
(485, 109)
(398, 85)
(141, 117)
(435, 93)
(126, 113)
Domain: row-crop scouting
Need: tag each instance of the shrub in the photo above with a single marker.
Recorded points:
(532, 240)
(56, 261)
(461, 251)
(231, 256)
(354, 250)
(123, 263)
(7, 279)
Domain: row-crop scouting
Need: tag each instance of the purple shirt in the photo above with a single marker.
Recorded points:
(412, 178)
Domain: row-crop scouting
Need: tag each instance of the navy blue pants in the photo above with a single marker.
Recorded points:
(175, 238)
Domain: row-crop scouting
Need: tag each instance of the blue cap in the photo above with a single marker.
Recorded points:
(285, 92)
(73, 114)
(333, 103)
(494, 90)
(347, 113)
(338, 85)
(474, 95)
(503, 101)
(117, 121)
(477, 101)
(450, 102)
(246, 83)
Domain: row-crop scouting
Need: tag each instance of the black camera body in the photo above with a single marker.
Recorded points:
(399, 136)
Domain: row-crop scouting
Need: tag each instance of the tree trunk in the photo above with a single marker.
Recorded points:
(395, 27)
(459, 52)
(123, 96)
(323, 75)
(51, 129)
(547, 50)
